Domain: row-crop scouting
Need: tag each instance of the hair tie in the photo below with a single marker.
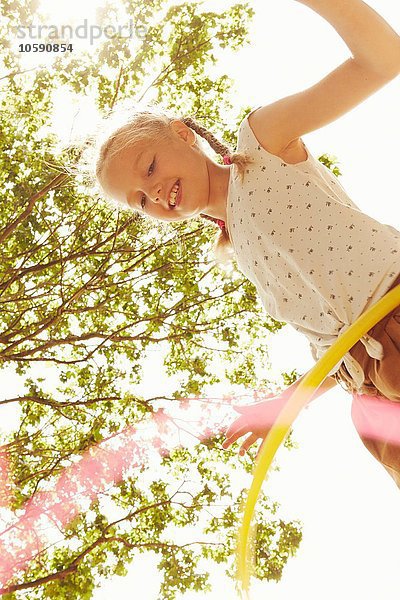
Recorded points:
(219, 222)
(227, 159)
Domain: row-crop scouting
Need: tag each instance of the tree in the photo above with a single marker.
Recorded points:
(89, 291)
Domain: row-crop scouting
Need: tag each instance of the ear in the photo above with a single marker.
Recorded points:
(183, 131)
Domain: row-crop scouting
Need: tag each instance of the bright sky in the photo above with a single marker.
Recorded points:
(345, 499)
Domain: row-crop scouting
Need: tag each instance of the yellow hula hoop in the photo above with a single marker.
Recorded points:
(288, 414)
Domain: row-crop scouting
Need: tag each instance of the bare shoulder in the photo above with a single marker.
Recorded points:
(271, 139)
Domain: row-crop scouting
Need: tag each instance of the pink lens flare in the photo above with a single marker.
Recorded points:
(185, 421)
(376, 418)
(101, 466)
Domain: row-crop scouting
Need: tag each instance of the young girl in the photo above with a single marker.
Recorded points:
(316, 260)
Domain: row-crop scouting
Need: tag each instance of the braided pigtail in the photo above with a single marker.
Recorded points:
(223, 247)
(239, 159)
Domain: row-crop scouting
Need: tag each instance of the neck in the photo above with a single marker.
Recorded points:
(219, 182)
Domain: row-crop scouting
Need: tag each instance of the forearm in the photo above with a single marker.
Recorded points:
(325, 386)
(371, 40)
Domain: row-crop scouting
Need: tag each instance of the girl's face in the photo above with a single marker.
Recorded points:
(147, 177)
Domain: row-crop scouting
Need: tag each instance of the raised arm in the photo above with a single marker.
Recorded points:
(376, 61)
(371, 40)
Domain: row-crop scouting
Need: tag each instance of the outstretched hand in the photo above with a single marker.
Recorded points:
(256, 419)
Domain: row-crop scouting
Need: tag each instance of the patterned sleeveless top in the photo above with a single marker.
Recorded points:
(317, 261)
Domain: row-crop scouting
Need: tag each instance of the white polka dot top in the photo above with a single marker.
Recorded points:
(316, 260)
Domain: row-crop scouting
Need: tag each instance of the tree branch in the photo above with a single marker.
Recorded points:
(7, 231)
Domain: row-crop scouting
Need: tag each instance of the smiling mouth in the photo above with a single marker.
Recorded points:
(174, 194)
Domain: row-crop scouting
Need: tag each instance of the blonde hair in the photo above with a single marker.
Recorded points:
(136, 126)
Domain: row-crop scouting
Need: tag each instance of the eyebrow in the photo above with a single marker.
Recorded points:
(139, 156)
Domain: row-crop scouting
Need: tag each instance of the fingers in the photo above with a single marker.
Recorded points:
(233, 434)
(234, 427)
(247, 443)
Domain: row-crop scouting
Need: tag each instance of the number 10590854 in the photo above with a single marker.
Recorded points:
(45, 47)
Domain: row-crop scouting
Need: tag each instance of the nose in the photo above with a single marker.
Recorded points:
(155, 193)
